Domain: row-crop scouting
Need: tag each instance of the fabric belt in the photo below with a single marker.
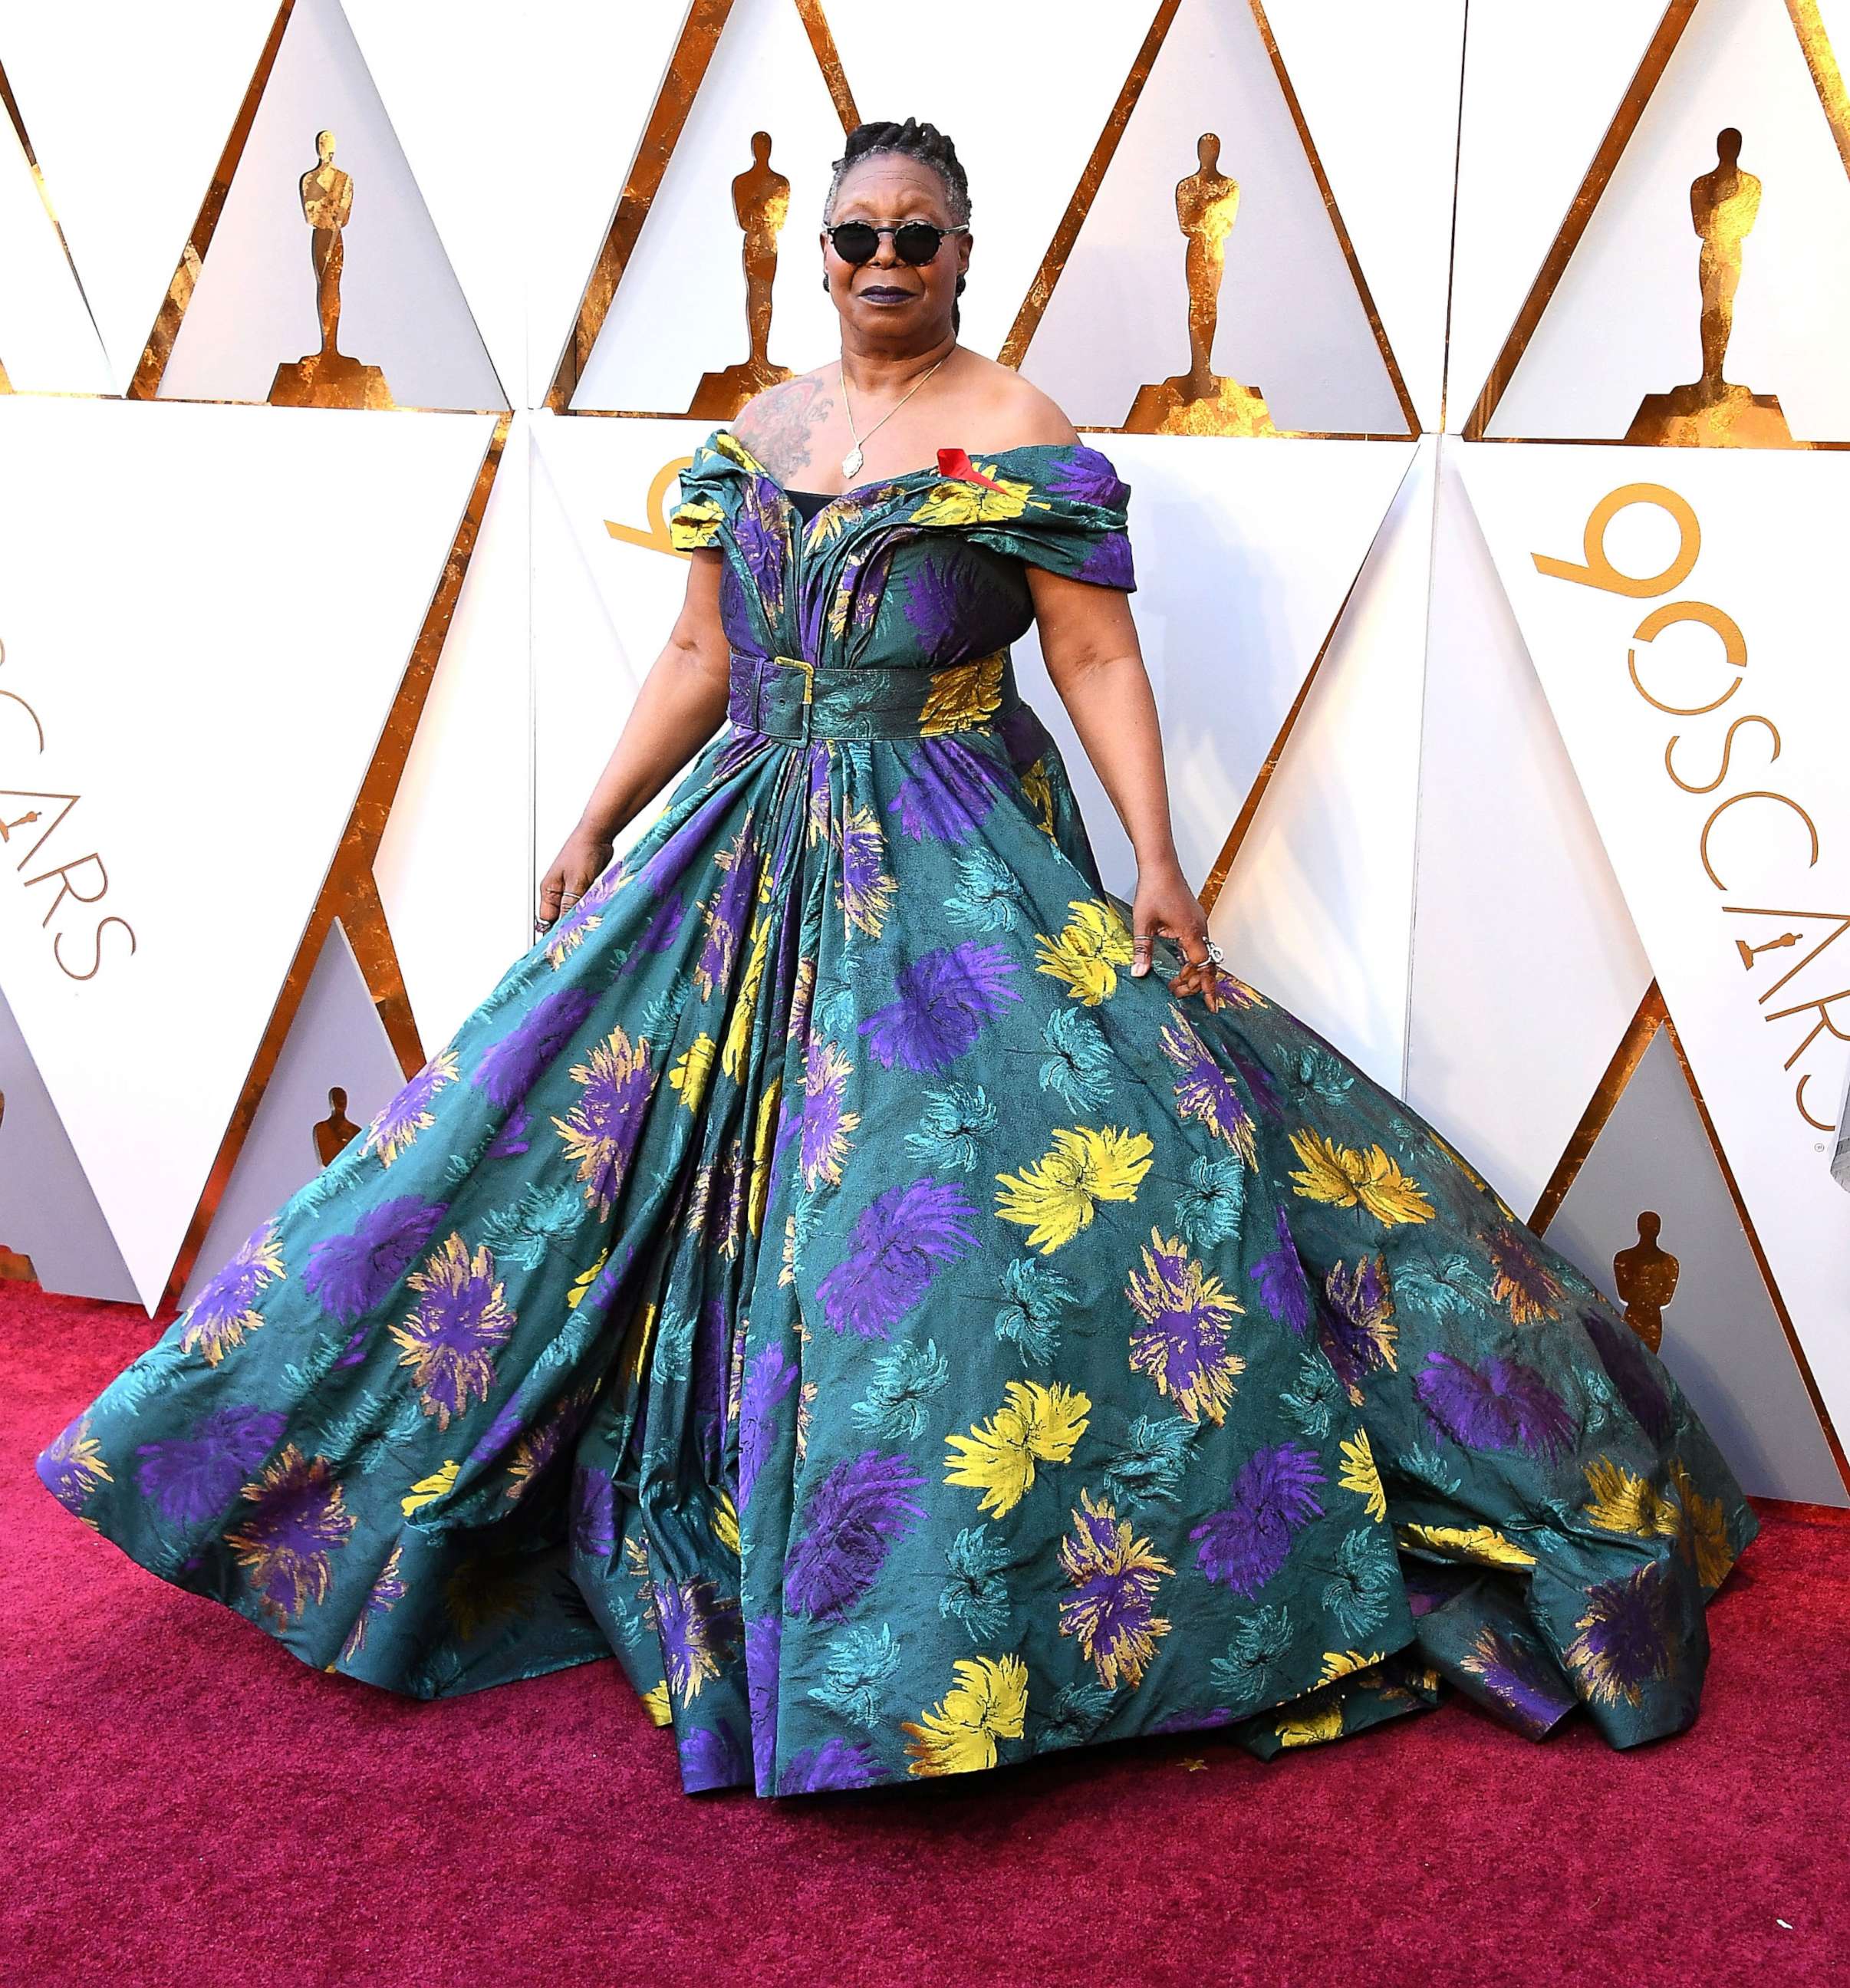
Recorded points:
(784, 697)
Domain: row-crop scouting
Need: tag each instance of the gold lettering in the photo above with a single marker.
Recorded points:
(1689, 786)
(1735, 800)
(1838, 921)
(1824, 1024)
(1734, 650)
(97, 937)
(1599, 571)
(66, 888)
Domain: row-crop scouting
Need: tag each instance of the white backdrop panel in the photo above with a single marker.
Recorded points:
(1317, 911)
(215, 751)
(1541, 85)
(129, 107)
(1526, 967)
(680, 309)
(48, 344)
(1244, 551)
(454, 866)
(254, 303)
(1772, 527)
(1291, 322)
(1378, 86)
(1625, 320)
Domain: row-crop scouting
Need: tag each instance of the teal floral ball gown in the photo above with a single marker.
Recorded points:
(820, 1276)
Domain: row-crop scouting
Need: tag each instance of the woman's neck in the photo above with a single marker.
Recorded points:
(875, 375)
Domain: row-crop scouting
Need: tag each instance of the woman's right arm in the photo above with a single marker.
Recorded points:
(677, 710)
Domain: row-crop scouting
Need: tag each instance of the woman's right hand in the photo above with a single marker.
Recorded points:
(584, 858)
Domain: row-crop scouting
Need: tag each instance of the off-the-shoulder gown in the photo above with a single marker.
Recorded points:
(822, 1277)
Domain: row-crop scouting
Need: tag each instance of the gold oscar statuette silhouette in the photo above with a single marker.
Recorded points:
(761, 200)
(335, 1130)
(6, 385)
(1201, 401)
(1646, 1276)
(1713, 412)
(328, 378)
(14, 1267)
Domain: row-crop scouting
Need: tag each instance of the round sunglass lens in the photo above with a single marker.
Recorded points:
(917, 241)
(854, 241)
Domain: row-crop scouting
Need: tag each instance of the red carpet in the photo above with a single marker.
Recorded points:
(190, 1804)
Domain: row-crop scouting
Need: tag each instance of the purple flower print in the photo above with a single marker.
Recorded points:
(349, 1275)
(191, 1478)
(903, 1238)
(297, 1522)
(593, 1514)
(711, 1757)
(1624, 1642)
(1631, 1368)
(763, 1639)
(947, 792)
(1086, 477)
(941, 597)
(769, 1376)
(850, 1523)
(945, 995)
(835, 1763)
(1524, 1681)
(1283, 1289)
(1501, 1404)
(1249, 1540)
(509, 1068)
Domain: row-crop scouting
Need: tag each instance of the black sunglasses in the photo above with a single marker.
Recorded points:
(914, 242)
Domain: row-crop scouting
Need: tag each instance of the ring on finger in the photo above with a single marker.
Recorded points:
(1214, 951)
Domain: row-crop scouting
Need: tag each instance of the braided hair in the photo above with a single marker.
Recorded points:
(912, 139)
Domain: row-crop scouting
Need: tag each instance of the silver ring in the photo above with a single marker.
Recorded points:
(1214, 951)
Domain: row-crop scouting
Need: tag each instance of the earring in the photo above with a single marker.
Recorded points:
(825, 280)
(961, 281)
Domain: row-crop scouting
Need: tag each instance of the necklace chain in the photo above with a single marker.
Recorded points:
(851, 463)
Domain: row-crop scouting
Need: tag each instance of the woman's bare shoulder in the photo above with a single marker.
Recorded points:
(1013, 413)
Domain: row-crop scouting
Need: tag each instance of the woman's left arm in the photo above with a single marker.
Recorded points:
(1089, 642)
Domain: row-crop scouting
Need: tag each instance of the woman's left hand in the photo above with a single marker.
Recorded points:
(1165, 905)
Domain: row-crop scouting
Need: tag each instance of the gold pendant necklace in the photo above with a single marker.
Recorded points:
(852, 461)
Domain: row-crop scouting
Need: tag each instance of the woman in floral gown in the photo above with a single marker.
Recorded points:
(912, 1308)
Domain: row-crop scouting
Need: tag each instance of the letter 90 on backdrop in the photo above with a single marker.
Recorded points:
(1484, 387)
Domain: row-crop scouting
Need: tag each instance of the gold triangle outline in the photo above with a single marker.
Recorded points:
(16, 118)
(1826, 80)
(1222, 867)
(1653, 1015)
(704, 23)
(1053, 264)
(349, 889)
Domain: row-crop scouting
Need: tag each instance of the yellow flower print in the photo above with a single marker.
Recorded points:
(738, 1030)
(1086, 953)
(998, 1457)
(762, 1133)
(725, 1522)
(1310, 1728)
(955, 502)
(1704, 1530)
(1349, 1178)
(691, 1069)
(1483, 1545)
(1117, 1577)
(1622, 1503)
(1361, 1475)
(1347, 1663)
(1037, 788)
(958, 1735)
(957, 698)
(1054, 1196)
(694, 524)
(427, 1490)
(655, 1703)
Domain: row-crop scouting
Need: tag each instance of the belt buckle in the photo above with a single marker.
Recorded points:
(808, 675)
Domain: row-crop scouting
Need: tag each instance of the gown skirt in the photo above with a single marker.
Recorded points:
(821, 1276)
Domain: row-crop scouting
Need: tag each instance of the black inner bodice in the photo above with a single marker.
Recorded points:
(809, 502)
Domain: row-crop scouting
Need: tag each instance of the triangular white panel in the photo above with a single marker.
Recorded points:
(47, 1211)
(1291, 322)
(1317, 909)
(521, 128)
(47, 343)
(1048, 67)
(1526, 969)
(1244, 551)
(129, 107)
(1723, 1339)
(454, 866)
(604, 603)
(680, 309)
(254, 306)
(1745, 916)
(1541, 86)
(337, 1040)
(210, 610)
(1625, 320)
(1378, 87)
